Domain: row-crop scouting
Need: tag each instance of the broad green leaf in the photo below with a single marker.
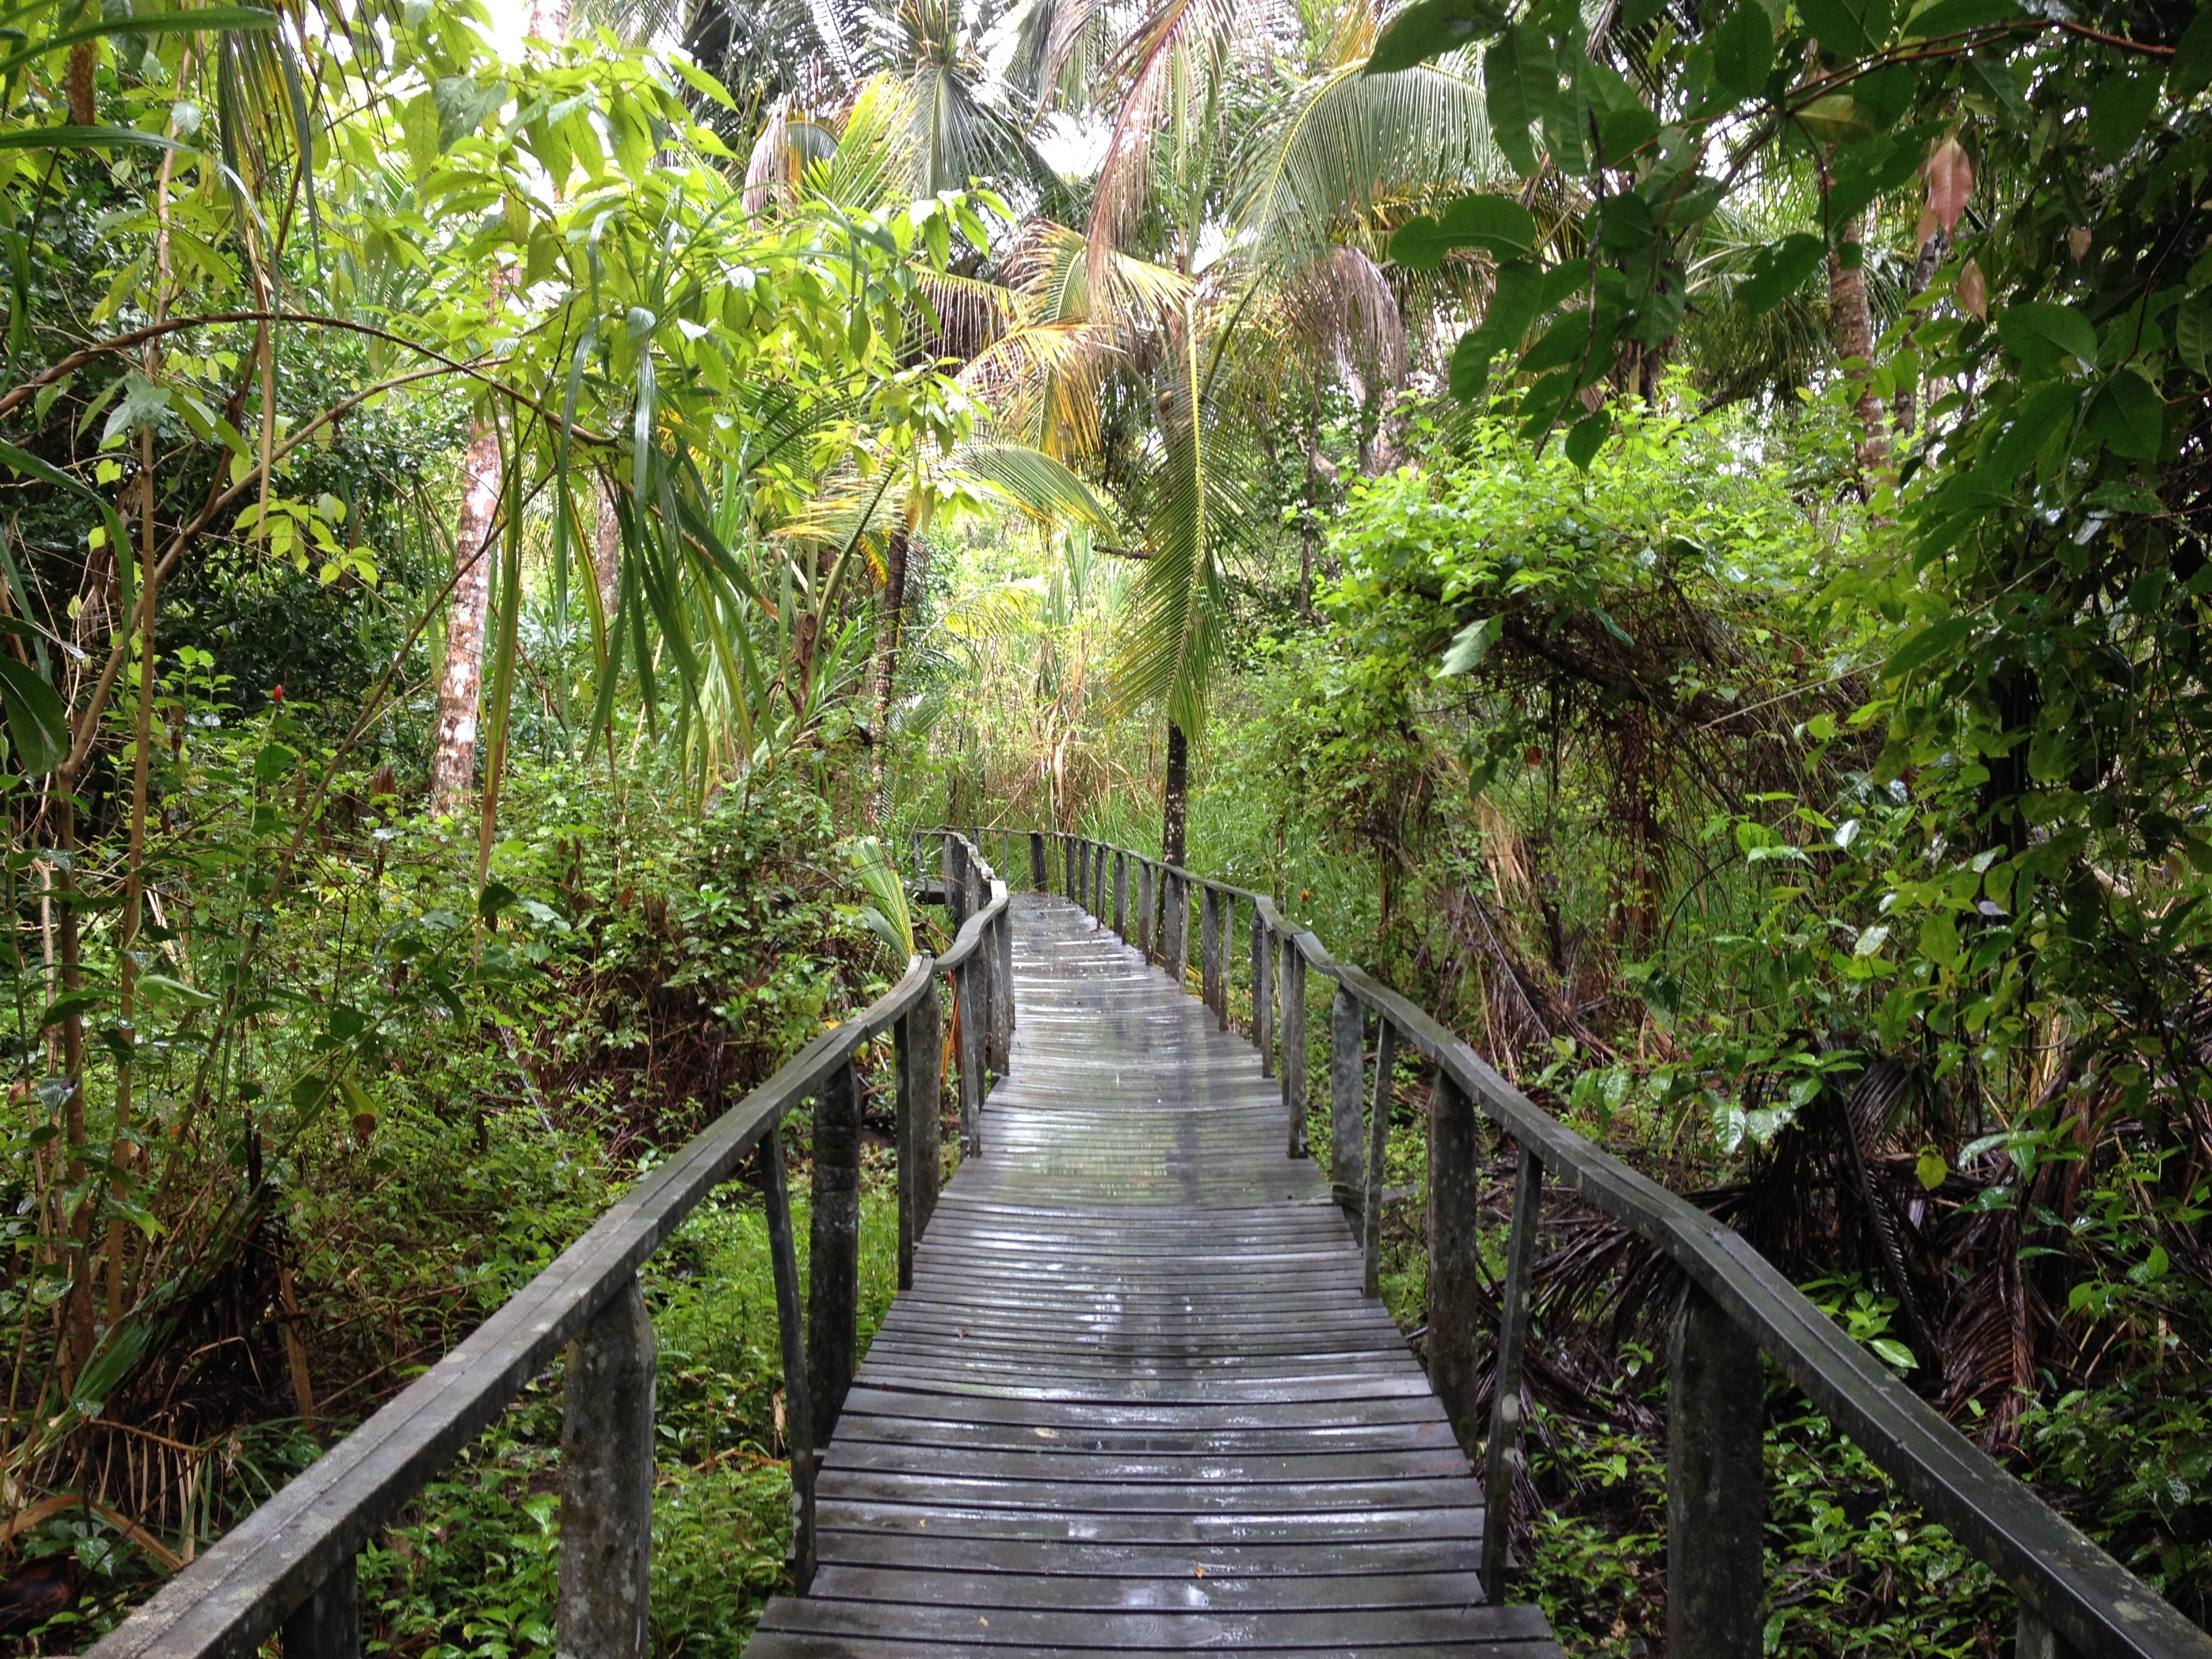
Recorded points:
(2120, 110)
(1587, 437)
(1497, 224)
(1471, 645)
(1956, 16)
(418, 125)
(1743, 49)
(1623, 132)
(2191, 71)
(1841, 119)
(2192, 326)
(38, 724)
(1430, 28)
(1924, 648)
(1846, 30)
(1930, 1167)
(2043, 334)
(162, 988)
(1521, 86)
(2129, 415)
(463, 107)
(1779, 271)
(1420, 244)
(1894, 1352)
(1470, 364)
(1862, 172)
(2042, 412)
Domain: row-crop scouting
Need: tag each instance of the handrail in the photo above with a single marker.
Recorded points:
(2070, 1590)
(290, 1562)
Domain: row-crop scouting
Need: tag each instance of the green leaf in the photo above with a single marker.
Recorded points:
(1497, 224)
(1841, 119)
(1622, 133)
(162, 988)
(2035, 418)
(73, 1004)
(1931, 1170)
(2120, 110)
(1846, 30)
(463, 107)
(2192, 57)
(2043, 334)
(1470, 363)
(418, 124)
(1862, 172)
(1924, 648)
(85, 138)
(2192, 323)
(1779, 271)
(38, 724)
(1957, 16)
(496, 897)
(1587, 437)
(1892, 1353)
(1420, 244)
(1430, 28)
(1471, 645)
(1521, 87)
(1743, 49)
(1939, 943)
(2129, 415)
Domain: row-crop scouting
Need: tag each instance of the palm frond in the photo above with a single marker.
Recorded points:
(1354, 143)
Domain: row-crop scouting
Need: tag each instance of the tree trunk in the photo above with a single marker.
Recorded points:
(1905, 412)
(1175, 805)
(887, 648)
(453, 763)
(1852, 320)
(607, 555)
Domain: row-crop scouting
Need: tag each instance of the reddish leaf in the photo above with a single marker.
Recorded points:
(1972, 292)
(1950, 182)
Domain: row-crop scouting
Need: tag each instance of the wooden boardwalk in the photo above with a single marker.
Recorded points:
(1134, 1401)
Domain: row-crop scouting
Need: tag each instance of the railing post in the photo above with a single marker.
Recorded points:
(917, 1046)
(1209, 947)
(1098, 890)
(1456, 1254)
(1003, 945)
(1079, 872)
(2034, 1639)
(1502, 1459)
(1715, 1485)
(1224, 954)
(833, 1267)
(1263, 995)
(606, 1483)
(1378, 1153)
(798, 1417)
(966, 983)
(1144, 908)
(948, 871)
(1292, 981)
(1347, 1065)
(1178, 895)
(1121, 895)
(1070, 863)
(327, 1625)
(1036, 861)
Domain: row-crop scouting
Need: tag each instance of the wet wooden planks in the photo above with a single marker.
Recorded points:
(1134, 1401)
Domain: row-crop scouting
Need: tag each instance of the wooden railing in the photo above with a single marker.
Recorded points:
(2075, 1598)
(290, 1565)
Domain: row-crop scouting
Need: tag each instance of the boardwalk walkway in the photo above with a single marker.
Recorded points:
(1134, 1401)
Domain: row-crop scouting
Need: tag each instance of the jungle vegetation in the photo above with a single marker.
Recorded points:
(1674, 530)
